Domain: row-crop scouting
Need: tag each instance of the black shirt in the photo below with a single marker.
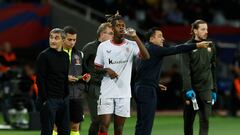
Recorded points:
(52, 74)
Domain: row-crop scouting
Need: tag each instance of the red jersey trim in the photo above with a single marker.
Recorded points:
(118, 44)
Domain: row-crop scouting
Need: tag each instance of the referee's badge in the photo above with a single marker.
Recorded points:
(209, 49)
(77, 60)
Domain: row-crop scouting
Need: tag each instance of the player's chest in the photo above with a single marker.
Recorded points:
(122, 52)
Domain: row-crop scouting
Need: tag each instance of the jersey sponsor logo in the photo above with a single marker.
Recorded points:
(117, 62)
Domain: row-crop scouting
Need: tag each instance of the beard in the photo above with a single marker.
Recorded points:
(203, 37)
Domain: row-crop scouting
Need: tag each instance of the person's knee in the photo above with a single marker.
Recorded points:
(96, 120)
(204, 123)
(204, 119)
(104, 127)
(95, 123)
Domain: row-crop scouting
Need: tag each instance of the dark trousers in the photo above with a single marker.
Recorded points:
(55, 110)
(92, 95)
(146, 101)
(205, 108)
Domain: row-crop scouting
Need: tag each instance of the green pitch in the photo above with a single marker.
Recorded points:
(163, 125)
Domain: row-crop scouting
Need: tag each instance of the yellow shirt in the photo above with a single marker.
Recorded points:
(69, 52)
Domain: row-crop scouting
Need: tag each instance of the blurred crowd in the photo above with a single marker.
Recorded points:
(146, 13)
(18, 88)
(22, 1)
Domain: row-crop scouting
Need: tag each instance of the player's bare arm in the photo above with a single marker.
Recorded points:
(143, 51)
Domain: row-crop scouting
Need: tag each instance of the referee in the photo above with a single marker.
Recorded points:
(76, 85)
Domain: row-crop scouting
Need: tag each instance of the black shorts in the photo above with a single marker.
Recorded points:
(76, 110)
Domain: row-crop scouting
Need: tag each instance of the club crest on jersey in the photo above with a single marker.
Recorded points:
(209, 49)
(108, 51)
(77, 60)
(76, 57)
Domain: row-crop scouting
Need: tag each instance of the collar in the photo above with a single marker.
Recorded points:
(67, 50)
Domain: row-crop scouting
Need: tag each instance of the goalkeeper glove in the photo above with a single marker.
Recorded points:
(190, 94)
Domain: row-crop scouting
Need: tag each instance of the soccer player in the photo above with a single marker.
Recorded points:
(114, 58)
(52, 81)
(148, 76)
(198, 72)
(104, 32)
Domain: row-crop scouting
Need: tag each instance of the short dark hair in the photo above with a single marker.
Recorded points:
(69, 30)
(113, 18)
(151, 32)
(195, 25)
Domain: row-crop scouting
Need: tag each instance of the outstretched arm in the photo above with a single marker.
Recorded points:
(183, 48)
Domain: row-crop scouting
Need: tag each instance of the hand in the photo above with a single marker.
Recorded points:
(162, 87)
(190, 94)
(214, 96)
(130, 32)
(72, 78)
(204, 44)
(86, 77)
(112, 74)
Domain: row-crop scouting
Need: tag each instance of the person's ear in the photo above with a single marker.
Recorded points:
(194, 31)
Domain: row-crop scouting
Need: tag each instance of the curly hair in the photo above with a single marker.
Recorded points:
(113, 18)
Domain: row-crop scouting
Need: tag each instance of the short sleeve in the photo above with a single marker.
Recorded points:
(136, 50)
